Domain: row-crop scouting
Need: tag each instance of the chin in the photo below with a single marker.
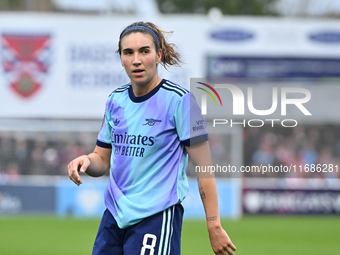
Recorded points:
(140, 81)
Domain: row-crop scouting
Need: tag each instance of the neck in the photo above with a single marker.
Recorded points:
(143, 89)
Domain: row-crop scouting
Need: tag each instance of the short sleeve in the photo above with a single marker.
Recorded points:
(104, 136)
(190, 124)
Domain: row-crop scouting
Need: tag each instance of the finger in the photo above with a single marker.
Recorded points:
(75, 177)
(232, 246)
(84, 166)
(73, 174)
(224, 252)
(79, 181)
(229, 251)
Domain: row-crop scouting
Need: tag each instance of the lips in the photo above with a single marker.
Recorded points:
(138, 71)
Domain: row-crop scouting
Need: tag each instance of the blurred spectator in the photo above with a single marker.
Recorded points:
(21, 155)
(37, 164)
(305, 145)
(6, 149)
(308, 153)
(51, 160)
(12, 172)
(48, 153)
(41, 153)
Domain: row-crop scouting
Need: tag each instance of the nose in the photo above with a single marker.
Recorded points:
(136, 59)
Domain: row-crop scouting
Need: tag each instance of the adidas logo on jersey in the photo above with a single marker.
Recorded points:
(116, 122)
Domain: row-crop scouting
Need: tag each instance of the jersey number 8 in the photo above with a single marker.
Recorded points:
(148, 246)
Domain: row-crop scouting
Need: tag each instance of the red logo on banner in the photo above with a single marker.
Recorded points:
(25, 61)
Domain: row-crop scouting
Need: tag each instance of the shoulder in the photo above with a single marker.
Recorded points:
(174, 89)
(120, 89)
(113, 98)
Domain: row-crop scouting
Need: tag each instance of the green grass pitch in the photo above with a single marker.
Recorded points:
(265, 235)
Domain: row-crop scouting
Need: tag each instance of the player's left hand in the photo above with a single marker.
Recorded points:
(220, 241)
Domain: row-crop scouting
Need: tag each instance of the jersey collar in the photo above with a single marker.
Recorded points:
(145, 97)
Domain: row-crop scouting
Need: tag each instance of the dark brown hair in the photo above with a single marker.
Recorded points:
(169, 55)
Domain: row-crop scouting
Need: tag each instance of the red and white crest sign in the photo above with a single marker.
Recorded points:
(25, 61)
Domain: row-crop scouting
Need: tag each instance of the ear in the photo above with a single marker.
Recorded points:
(159, 56)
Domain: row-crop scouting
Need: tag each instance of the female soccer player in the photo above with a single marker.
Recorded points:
(146, 137)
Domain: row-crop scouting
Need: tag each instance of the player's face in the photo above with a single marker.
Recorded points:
(140, 59)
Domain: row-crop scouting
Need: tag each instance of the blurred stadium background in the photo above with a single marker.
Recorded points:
(58, 65)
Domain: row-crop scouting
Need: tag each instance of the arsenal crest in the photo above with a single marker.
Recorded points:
(25, 61)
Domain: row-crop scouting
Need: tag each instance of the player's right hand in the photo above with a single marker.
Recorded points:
(77, 165)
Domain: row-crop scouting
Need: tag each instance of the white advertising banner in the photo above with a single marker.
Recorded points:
(65, 66)
(58, 66)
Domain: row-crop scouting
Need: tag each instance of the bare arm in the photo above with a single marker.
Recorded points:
(95, 164)
(219, 239)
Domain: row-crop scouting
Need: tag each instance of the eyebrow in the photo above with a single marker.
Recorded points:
(141, 48)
